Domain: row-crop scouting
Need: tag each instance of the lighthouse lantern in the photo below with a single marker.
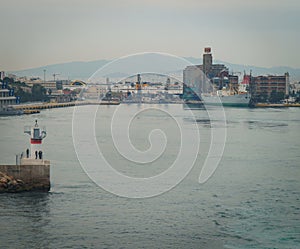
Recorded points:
(37, 135)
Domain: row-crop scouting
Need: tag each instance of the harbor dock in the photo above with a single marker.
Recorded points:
(267, 105)
(40, 106)
(30, 111)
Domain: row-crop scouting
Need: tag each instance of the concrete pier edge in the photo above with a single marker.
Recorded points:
(30, 175)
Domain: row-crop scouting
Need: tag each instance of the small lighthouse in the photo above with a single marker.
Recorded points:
(32, 172)
(37, 135)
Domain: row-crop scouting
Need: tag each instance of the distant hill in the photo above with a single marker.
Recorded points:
(70, 70)
(147, 62)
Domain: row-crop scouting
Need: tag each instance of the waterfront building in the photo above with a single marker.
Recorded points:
(94, 92)
(263, 88)
(295, 88)
(7, 97)
(46, 84)
(192, 83)
(2, 75)
(203, 78)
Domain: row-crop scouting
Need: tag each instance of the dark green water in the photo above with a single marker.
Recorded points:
(252, 200)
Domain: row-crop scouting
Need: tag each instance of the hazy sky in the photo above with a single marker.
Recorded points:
(41, 32)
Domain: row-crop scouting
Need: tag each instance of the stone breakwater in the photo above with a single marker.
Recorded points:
(10, 184)
(31, 175)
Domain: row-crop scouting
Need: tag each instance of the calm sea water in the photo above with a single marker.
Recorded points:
(252, 200)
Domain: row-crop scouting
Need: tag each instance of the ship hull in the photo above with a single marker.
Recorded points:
(237, 100)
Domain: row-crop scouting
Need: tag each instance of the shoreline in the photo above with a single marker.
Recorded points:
(36, 107)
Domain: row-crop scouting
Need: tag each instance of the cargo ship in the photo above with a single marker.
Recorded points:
(226, 98)
(237, 96)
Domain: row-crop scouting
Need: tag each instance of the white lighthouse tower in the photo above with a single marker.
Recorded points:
(37, 135)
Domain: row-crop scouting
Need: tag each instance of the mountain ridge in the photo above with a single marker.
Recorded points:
(85, 69)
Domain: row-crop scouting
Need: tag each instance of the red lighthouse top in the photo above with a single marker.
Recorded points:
(36, 134)
(207, 50)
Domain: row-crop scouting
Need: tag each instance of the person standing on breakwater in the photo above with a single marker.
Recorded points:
(27, 153)
(36, 154)
(40, 154)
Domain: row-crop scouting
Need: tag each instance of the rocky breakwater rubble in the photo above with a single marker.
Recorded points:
(10, 184)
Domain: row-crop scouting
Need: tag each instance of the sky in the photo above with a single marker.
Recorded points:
(42, 32)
